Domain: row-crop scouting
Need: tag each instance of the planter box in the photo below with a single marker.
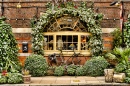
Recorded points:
(108, 75)
(119, 77)
(27, 79)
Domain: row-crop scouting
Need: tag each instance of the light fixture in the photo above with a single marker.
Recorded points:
(19, 5)
(116, 3)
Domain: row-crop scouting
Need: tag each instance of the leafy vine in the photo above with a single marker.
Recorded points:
(85, 14)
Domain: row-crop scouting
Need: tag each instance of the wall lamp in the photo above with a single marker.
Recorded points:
(116, 3)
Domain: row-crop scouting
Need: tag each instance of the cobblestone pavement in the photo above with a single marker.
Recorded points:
(68, 81)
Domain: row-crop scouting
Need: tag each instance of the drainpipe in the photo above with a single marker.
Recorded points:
(2, 8)
(121, 15)
(122, 21)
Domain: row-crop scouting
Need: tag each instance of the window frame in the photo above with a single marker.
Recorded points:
(66, 52)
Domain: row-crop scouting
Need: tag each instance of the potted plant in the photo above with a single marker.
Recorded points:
(36, 64)
(26, 76)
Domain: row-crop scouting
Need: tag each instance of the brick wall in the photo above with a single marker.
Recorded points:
(20, 18)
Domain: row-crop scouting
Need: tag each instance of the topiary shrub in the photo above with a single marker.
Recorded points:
(95, 66)
(14, 78)
(79, 71)
(59, 71)
(71, 69)
(36, 65)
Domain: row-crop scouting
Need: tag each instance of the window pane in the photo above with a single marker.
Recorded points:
(48, 42)
(84, 42)
(66, 42)
(59, 43)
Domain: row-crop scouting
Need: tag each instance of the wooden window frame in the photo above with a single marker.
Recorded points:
(67, 52)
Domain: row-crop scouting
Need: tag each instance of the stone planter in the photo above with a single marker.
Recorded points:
(119, 78)
(27, 79)
(108, 75)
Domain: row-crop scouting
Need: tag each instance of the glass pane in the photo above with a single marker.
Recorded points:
(48, 42)
(59, 43)
(45, 42)
(84, 42)
(70, 38)
(66, 42)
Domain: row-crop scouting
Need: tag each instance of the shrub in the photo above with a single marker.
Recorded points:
(79, 71)
(3, 79)
(8, 48)
(127, 79)
(71, 69)
(36, 65)
(14, 78)
(127, 71)
(95, 66)
(121, 67)
(117, 38)
(59, 71)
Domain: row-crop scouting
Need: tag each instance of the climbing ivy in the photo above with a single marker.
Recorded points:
(8, 48)
(126, 34)
(85, 14)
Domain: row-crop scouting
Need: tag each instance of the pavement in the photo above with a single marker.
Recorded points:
(68, 81)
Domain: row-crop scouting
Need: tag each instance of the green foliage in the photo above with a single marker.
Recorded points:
(126, 33)
(95, 66)
(117, 38)
(14, 78)
(122, 54)
(59, 71)
(71, 69)
(36, 64)
(90, 19)
(3, 79)
(127, 71)
(79, 71)
(8, 48)
(127, 79)
(11, 78)
(110, 56)
(121, 67)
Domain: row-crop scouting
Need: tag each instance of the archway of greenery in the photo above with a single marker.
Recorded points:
(86, 15)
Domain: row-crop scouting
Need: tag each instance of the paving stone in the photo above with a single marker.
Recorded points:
(101, 78)
(62, 81)
(91, 79)
(93, 82)
(68, 81)
(63, 78)
(35, 81)
(14, 84)
(47, 81)
(102, 81)
(77, 81)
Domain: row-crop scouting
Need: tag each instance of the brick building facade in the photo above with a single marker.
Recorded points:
(19, 18)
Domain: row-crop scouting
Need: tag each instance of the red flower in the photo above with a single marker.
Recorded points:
(75, 7)
(59, 6)
(4, 72)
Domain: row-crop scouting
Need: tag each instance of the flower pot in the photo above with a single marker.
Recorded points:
(108, 75)
(27, 79)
